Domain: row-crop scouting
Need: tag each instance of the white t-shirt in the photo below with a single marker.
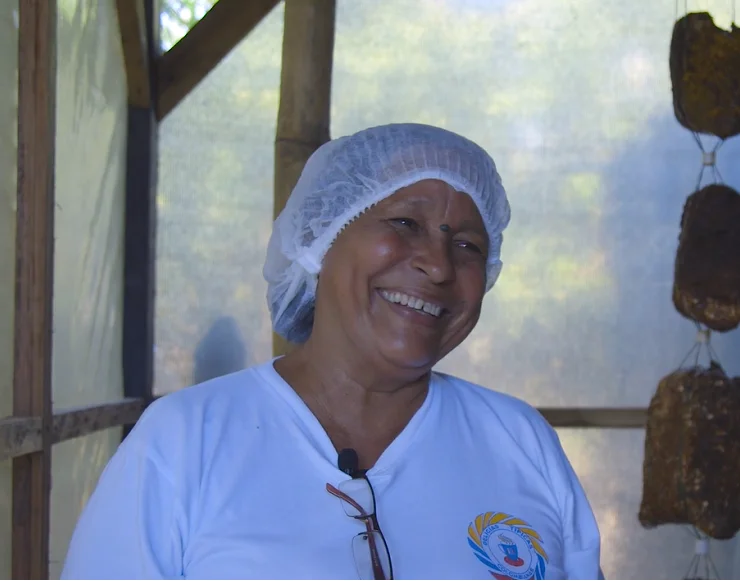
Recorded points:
(227, 480)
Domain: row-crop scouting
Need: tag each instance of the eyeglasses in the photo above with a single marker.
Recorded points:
(369, 548)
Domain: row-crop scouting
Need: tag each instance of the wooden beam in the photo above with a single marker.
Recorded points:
(34, 281)
(140, 216)
(132, 23)
(20, 436)
(595, 417)
(188, 62)
(74, 423)
(305, 97)
(139, 253)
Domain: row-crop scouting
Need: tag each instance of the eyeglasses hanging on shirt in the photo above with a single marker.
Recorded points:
(370, 551)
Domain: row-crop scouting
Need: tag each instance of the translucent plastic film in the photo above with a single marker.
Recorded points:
(90, 190)
(215, 216)
(573, 100)
(88, 279)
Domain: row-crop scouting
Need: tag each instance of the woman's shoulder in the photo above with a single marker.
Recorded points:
(238, 385)
(498, 417)
(496, 409)
(181, 415)
(475, 394)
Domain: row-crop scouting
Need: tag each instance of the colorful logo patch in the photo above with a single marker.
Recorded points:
(508, 546)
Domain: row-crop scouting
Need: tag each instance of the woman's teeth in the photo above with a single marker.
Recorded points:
(412, 302)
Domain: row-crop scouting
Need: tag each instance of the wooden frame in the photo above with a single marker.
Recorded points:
(187, 63)
(305, 98)
(135, 35)
(139, 34)
(27, 437)
(22, 436)
(81, 421)
(34, 282)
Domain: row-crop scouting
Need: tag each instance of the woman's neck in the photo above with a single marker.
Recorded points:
(360, 406)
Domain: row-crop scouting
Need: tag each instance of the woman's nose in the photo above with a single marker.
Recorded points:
(434, 258)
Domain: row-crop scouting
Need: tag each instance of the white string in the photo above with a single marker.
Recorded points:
(701, 557)
(702, 344)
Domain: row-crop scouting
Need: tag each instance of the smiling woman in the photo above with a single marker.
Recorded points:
(402, 288)
(376, 269)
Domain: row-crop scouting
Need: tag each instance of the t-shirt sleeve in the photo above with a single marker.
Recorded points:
(131, 526)
(581, 538)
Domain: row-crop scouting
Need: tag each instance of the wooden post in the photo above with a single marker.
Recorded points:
(34, 281)
(138, 33)
(305, 97)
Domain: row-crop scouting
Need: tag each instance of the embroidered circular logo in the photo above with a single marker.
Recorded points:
(508, 546)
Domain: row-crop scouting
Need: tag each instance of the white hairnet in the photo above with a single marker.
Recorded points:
(345, 177)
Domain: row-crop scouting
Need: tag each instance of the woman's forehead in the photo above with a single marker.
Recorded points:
(432, 195)
(423, 189)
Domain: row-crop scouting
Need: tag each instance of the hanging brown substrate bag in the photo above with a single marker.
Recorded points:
(705, 73)
(706, 286)
(691, 471)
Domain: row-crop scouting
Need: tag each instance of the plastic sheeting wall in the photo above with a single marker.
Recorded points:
(88, 281)
(215, 215)
(8, 175)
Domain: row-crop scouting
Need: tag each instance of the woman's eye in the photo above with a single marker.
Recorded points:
(470, 246)
(407, 222)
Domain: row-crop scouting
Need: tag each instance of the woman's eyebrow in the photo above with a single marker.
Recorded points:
(473, 226)
(414, 204)
(406, 204)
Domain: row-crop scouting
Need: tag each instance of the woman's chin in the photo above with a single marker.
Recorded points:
(410, 352)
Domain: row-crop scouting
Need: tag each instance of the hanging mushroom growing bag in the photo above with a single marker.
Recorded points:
(706, 286)
(705, 73)
(691, 471)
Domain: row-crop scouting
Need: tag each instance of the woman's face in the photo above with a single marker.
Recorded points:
(397, 285)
